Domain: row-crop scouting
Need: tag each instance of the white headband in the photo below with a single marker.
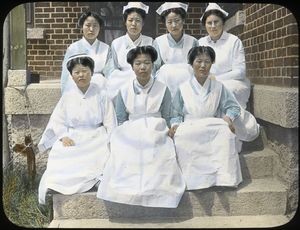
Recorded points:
(171, 5)
(78, 56)
(214, 6)
(138, 5)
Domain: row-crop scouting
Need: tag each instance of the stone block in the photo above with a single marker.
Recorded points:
(276, 105)
(17, 78)
(35, 33)
(42, 99)
(252, 197)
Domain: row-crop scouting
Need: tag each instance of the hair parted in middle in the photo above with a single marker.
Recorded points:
(199, 50)
(81, 60)
(87, 14)
(133, 53)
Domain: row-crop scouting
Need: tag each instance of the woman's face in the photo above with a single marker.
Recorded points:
(91, 29)
(214, 26)
(82, 76)
(174, 24)
(134, 24)
(201, 65)
(142, 66)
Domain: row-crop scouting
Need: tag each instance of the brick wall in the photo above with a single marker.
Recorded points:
(270, 38)
(271, 45)
(59, 19)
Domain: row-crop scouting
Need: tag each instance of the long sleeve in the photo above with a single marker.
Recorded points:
(112, 63)
(55, 129)
(229, 105)
(166, 106)
(109, 118)
(57, 120)
(177, 114)
(108, 65)
(158, 63)
(238, 66)
(121, 113)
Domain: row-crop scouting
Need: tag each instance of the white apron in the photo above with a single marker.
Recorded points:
(78, 168)
(175, 70)
(142, 169)
(205, 146)
(119, 77)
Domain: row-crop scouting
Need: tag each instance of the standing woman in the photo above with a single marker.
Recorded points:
(229, 67)
(142, 168)
(134, 14)
(91, 24)
(173, 47)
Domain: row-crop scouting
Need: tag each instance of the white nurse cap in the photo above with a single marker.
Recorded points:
(138, 5)
(214, 6)
(171, 5)
(78, 56)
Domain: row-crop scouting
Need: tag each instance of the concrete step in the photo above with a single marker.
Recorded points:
(264, 221)
(257, 164)
(258, 144)
(252, 197)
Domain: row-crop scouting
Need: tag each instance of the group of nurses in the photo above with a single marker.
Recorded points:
(142, 77)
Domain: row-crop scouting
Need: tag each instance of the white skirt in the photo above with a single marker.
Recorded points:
(173, 75)
(142, 168)
(75, 169)
(207, 153)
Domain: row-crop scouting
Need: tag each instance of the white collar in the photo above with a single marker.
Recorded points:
(198, 88)
(139, 88)
(172, 39)
(135, 43)
(224, 36)
(95, 43)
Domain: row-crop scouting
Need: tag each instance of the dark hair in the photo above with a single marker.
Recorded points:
(85, 61)
(137, 10)
(214, 12)
(179, 11)
(133, 53)
(87, 14)
(198, 50)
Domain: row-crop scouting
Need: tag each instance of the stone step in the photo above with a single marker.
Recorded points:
(257, 164)
(259, 143)
(252, 197)
(264, 221)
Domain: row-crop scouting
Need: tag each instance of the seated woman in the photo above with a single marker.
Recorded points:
(230, 66)
(120, 72)
(142, 168)
(171, 66)
(203, 126)
(91, 24)
(78, 132)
